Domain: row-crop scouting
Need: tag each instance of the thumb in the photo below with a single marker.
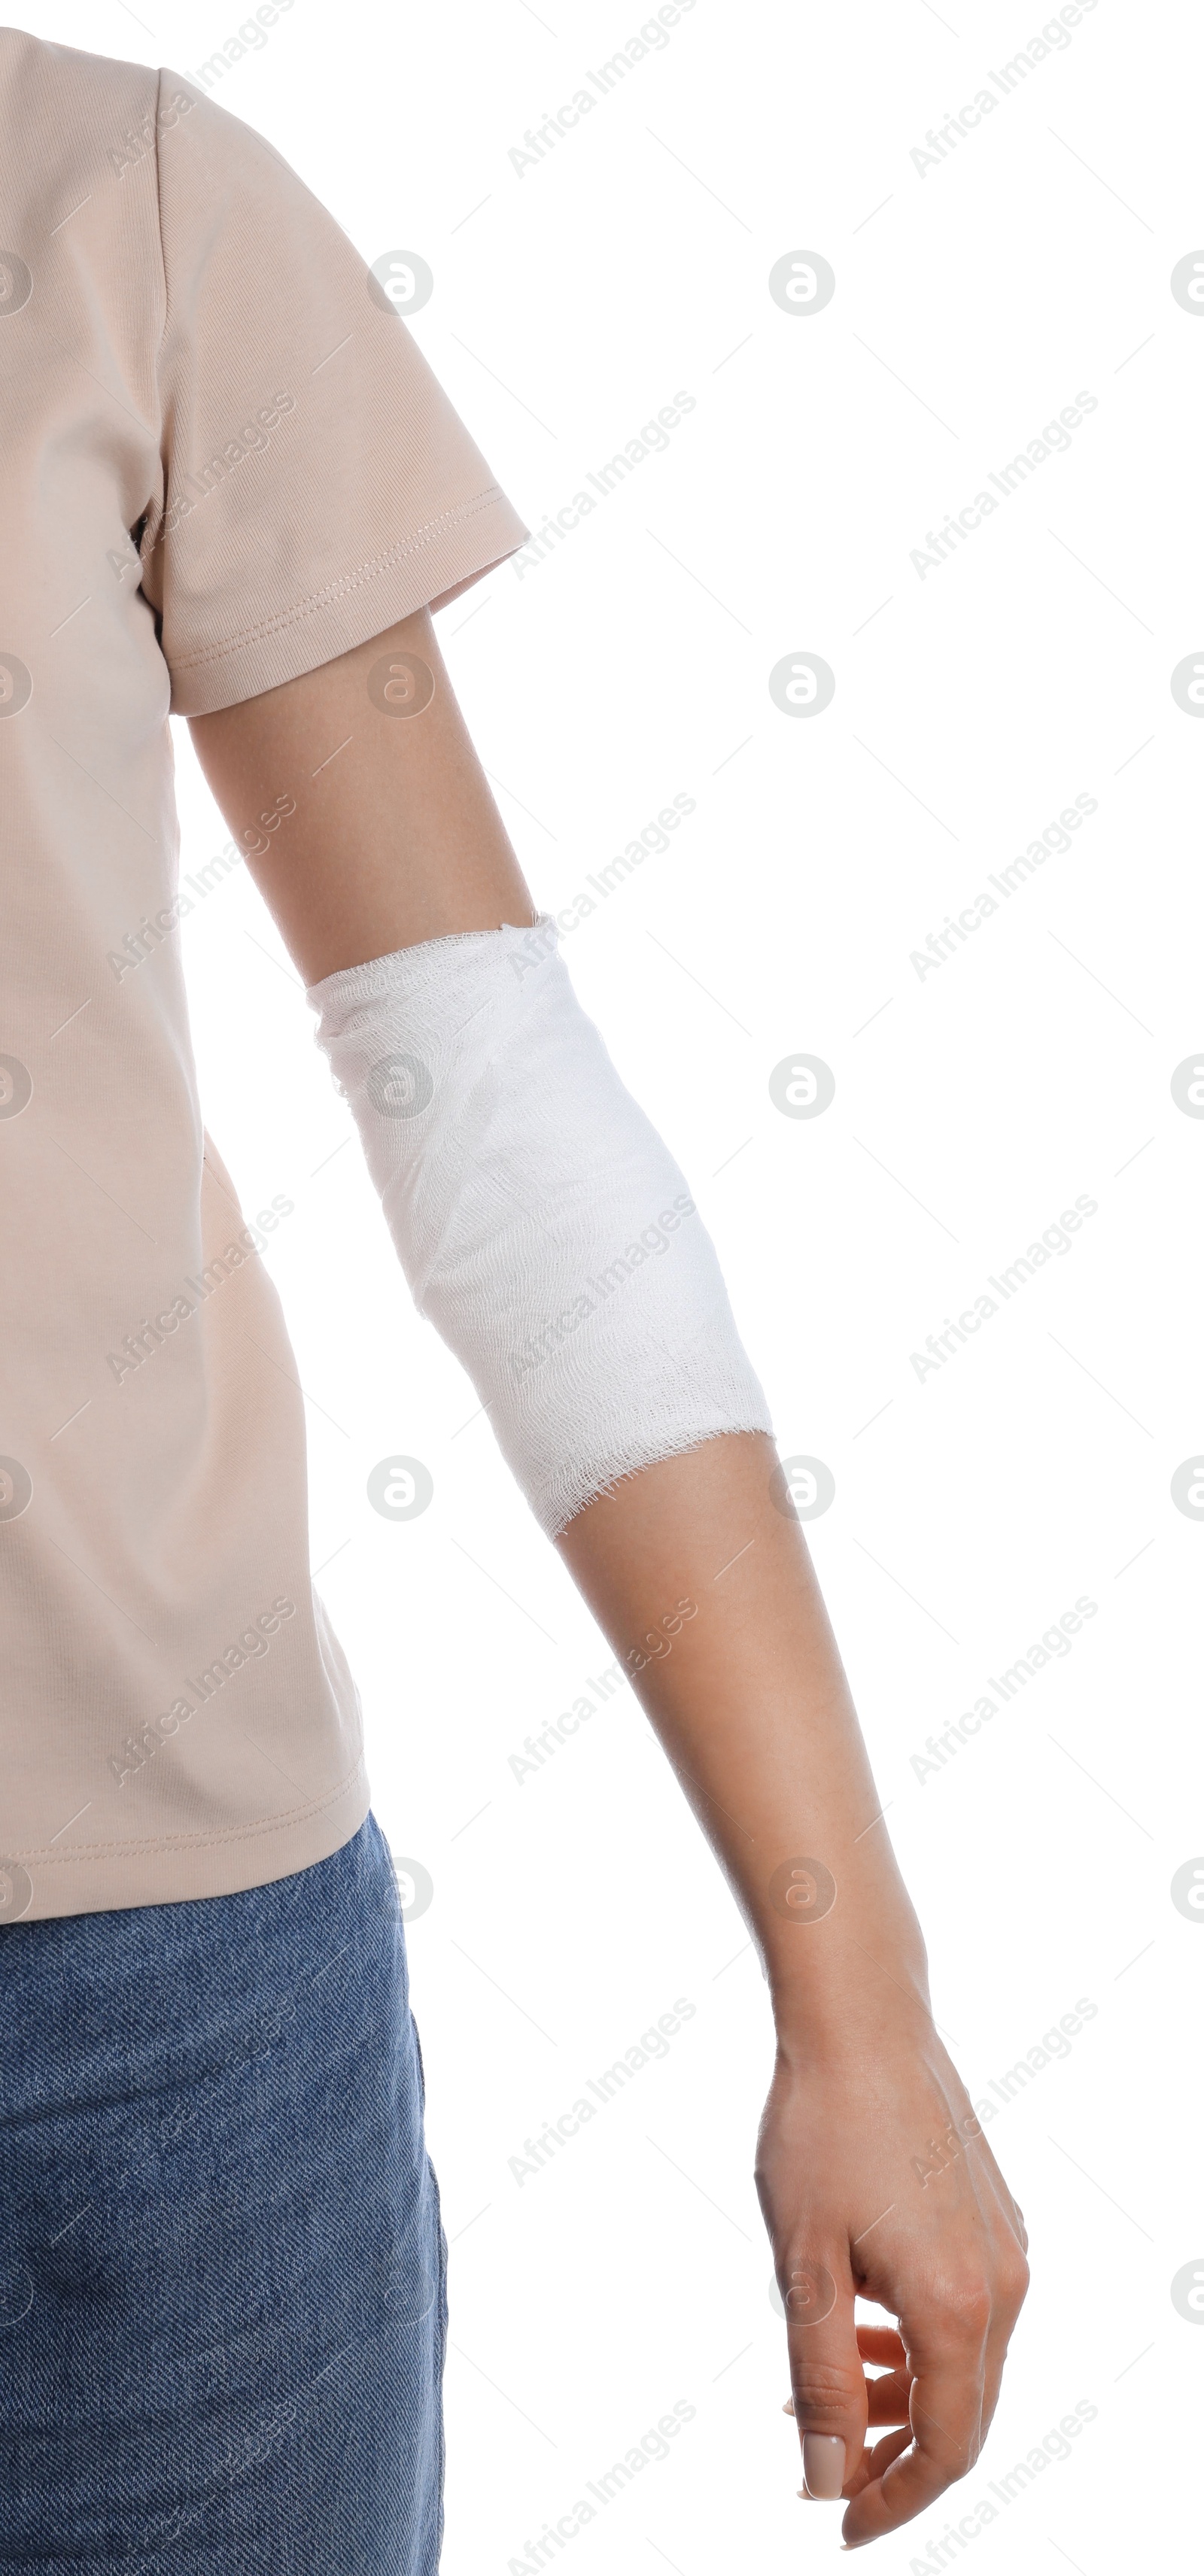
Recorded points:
(827, 2381)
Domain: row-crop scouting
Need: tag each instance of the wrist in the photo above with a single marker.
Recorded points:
(842, 2028)
(864, 1985)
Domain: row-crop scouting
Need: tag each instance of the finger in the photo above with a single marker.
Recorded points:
(881, 2343)
(892, 2387)
(1010, 2281)
(890, 2397)
(827, 2381)
(948, 2347)
(873, 2462)
(889, 2394)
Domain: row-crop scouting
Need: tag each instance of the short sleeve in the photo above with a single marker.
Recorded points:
(318, 485)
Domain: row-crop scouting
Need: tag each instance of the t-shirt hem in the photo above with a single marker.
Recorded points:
(174, 1868)
(447, 553)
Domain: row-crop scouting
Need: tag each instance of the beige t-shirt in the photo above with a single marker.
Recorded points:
(223, 461)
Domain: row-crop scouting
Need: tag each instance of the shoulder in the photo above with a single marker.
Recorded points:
(61, 104)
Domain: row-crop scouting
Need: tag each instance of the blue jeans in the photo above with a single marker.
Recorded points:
(223, 2305)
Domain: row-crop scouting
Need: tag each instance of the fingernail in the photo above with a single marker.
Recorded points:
(823, 2465)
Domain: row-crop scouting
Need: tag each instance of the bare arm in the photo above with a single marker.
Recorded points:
(394, 836)
(873, 2175)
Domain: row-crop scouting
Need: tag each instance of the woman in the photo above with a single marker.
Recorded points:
(232, 490)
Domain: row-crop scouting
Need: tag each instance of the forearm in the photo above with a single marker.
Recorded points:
(692, 1566)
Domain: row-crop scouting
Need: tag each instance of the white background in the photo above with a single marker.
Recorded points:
(973, 300)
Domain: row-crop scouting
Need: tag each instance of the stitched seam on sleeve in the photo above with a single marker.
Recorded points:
(340, 589)
(159, 209)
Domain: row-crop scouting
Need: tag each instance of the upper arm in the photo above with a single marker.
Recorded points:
(317, 488)
(360, 805)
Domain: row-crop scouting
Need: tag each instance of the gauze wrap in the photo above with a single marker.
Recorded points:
(541, 1223)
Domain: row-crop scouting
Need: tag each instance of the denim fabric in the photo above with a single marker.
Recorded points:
(223, 2301)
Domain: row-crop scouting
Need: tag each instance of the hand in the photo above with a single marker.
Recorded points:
(875, 2180)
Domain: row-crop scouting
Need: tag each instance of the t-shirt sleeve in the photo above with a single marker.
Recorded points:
(317, 483)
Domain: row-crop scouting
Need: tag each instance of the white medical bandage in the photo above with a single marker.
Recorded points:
(543, 1226)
